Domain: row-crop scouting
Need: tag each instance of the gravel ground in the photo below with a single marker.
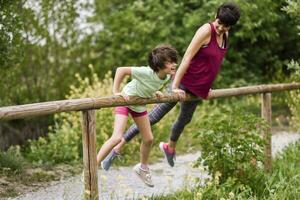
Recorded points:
(122, 183)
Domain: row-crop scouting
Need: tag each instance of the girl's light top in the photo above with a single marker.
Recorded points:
(144, 83)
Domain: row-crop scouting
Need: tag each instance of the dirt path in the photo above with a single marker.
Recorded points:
(121, 183)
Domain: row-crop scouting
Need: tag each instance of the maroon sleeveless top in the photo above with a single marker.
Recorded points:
(205, 66)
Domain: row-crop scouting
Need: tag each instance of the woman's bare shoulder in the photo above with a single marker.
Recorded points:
(205, 29)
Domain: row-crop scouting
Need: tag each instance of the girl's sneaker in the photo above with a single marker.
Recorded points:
(170, 157)
(106, 163)
(144, 175)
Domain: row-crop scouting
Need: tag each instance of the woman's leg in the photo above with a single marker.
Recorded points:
(119, 127)
(187, 110)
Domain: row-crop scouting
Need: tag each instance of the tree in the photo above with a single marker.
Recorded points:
(261, 42)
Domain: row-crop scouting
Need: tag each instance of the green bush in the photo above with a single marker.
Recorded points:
(232, 145)
(282, 183)
(64, 141)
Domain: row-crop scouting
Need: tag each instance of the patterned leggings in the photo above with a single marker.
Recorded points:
(187, 110)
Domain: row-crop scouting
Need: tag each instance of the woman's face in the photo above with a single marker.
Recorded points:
(220, 27)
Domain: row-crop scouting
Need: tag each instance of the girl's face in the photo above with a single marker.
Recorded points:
(220, 27)
(170, 68)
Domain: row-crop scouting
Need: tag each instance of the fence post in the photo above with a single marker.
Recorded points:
(266, 113)
(89, 155)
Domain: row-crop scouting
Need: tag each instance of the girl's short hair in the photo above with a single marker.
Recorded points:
(228, 14)
(161, 54)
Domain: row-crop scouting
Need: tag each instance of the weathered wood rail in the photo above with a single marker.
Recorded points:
(46, 108)
(89, 105)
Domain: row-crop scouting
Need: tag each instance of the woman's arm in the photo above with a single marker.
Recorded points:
(200, 38)
(119, 76)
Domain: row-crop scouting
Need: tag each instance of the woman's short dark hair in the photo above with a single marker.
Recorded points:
(160, 55)
(228, 14)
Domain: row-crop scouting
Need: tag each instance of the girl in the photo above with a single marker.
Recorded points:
(146, 82)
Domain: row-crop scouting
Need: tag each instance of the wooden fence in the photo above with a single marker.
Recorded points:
(88, 106)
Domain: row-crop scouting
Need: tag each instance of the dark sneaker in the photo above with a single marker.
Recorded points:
(144, 175)
(106, 163)
(170, 157)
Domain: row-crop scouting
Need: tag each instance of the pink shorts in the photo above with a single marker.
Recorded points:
(124, 110)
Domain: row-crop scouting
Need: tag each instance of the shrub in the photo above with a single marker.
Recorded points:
(64, 141)
(232, 145)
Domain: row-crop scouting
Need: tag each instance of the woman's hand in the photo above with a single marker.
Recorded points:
(179, 93)
(159, 94)
(125, 96)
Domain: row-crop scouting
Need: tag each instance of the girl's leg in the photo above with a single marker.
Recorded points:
(143, 124)
(119, 127)
(155, 115)
(187, 110)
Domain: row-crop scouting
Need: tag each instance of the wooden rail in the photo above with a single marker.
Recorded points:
(46, 108)
(88, 105)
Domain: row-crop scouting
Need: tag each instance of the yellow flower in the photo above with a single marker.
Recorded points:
(218, 174)
(216, 181)
(201, 168)
(231, 195)
(90, 66)
(209, 183)
(198, 196)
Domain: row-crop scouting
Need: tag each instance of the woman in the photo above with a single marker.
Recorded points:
(199, 68)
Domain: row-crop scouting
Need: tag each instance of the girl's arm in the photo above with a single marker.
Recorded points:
(200, 38)
(119, 76)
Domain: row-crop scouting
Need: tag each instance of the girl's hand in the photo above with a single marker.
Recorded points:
(209, 92)
(179, 93)
(125, 96)
(159, 94)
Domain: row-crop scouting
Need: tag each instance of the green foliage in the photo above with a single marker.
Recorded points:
(40, 41)
(293, 99)
(232, 145)
(131, 29)
(293, 10)
(282, 183)
(64, 142)
(47, 41)
(10, 37)
(11, 161)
